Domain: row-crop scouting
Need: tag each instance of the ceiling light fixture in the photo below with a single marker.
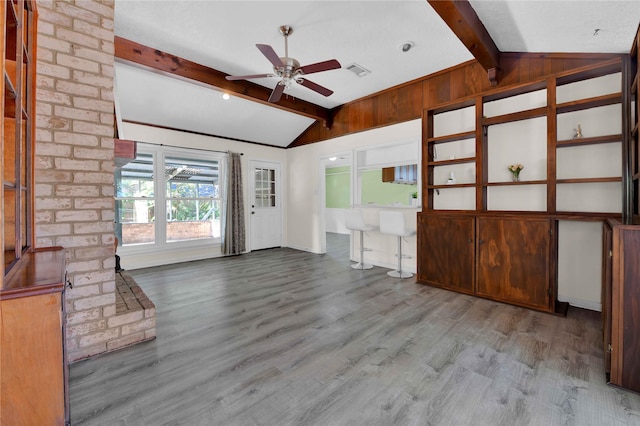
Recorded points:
(406, 46)
(333, 158)
(226, 96)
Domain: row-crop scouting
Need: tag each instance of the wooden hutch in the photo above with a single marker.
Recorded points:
(33, 373)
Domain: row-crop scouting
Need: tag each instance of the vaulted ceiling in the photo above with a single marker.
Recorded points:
(159, 43)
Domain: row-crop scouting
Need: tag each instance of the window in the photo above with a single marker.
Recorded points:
(168, 196)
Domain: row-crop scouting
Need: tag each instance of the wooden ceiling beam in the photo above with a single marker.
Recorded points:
(130, 52)
(464, 22)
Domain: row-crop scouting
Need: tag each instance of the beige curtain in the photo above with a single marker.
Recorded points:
(233, 241)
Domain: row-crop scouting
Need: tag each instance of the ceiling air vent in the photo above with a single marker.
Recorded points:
(358, 70)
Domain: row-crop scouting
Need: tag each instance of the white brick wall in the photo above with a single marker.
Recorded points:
(74, 169)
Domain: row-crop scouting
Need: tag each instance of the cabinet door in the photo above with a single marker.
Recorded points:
(388, 174)
(446, 252)
(514, 260)
(32, 380)
(625, 312)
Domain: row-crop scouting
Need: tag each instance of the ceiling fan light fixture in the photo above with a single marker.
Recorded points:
(358, 70)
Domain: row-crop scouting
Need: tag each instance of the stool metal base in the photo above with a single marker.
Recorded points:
(360, 265)
(399, 274)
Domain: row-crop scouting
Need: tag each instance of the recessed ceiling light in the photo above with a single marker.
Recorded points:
(406, 46)
(333, 158)
(226, 96)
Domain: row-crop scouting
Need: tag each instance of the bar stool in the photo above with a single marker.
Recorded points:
(355, 222)
(393, 223)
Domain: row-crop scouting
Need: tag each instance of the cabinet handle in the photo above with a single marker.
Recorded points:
(469, 240)
(480, 241)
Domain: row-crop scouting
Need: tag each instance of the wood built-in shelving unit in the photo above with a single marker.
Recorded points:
(33, 383)
(18, 65)
(489, 219)
(545, 173)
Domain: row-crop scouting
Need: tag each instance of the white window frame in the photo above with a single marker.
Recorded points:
(161, 245)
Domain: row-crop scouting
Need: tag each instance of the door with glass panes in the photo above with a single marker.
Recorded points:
(265, 205)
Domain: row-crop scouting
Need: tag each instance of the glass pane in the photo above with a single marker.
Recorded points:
(191, 178)
(135, 179)
(137, 221)
(193, 219)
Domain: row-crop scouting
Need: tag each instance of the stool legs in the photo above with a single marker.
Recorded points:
(399, 273)
(361, 264)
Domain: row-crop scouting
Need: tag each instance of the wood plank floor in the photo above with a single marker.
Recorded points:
(283, 337)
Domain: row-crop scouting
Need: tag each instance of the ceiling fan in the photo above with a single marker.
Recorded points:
(289, 69)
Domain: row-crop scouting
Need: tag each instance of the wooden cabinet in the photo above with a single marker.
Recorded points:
(446, 245)
(506, 259)
(622, 305)
(33, 383)
(514, 261)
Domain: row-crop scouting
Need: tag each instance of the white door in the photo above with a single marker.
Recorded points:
(265, 199)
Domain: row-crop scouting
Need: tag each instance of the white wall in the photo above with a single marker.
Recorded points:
(335, 221)
(135, 260)
(303, 228)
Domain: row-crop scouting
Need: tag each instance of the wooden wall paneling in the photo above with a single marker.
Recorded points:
(552, 130)
(439, 90)
(387, 108)
(457, 88)
(410, 101)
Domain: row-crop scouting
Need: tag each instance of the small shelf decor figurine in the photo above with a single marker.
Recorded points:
(577, 132)
(515, 170)
(452, 179)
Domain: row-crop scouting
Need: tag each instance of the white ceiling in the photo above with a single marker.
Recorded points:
(223, 34)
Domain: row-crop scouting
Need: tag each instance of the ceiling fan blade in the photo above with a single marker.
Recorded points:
(331, 64)
(277, 93)
(248, 77)
(315, 87)
(270, 54)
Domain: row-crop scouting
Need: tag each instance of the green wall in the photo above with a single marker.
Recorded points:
(338, 187)
(377, 192)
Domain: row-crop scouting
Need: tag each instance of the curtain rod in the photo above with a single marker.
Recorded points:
(188, 147)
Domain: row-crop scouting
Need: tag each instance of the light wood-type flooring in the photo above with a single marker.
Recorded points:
(284, 337)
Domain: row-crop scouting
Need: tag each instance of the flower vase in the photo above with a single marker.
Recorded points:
(515, 177)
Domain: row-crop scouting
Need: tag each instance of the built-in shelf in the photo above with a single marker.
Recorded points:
(589, 141)
(452, 161)
(590, 180)
(452, 185)
(597, 101)
(452, 138)
(515, 116)
(520, 182)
